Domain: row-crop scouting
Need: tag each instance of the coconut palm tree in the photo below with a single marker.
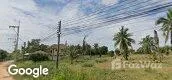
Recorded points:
(123, 40)
(147, 44)
(166, 27)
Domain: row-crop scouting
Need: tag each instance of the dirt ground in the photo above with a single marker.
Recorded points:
(3, 71)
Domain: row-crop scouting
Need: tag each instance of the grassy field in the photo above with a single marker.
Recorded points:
(98, 69)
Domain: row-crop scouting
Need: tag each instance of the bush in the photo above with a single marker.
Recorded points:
(39, 56)
(87, 65)
(111, 53)
(3, 55)
(16, 55)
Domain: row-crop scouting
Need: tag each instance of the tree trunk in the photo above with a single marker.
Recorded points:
(171, 41)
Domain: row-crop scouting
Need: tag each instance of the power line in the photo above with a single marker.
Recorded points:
(141, 13)
(117, 10)
(105, 21)
(108, 27)
(123, 11)
(138, 13)
(93, 13)
(101, 10)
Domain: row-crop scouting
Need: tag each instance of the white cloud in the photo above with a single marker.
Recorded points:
(32, 21)
(70, 11)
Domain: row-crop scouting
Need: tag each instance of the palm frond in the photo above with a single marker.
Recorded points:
(161, 20)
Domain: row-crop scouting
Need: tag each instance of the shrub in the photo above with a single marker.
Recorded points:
(3, 54)
(16, 55)
(87, 65)
(111, 53)
(39, 56)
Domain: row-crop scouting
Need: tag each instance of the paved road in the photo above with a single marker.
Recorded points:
(3, 71)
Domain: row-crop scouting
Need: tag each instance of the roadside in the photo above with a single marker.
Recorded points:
(3, 71)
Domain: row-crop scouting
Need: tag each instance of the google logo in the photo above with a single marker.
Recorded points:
(36, 72)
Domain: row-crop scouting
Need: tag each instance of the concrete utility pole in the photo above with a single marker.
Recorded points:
(17, 39)
(58, 48)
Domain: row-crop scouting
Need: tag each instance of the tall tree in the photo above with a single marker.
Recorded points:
(166, 27)
(96, 49)
(84, 45)
(33, 46)
(123, 40)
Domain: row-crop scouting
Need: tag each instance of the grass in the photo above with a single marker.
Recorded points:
(98, 69)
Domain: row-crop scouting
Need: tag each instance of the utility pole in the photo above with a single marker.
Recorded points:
(58, 48)
(17, 39)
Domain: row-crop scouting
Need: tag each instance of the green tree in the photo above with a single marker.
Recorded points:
(166, 27)
(96, 49)
(123, 40)
(33, 46)
(88, 49)
(16, 55)
(74, 52)
(84, 46)
(147, 44)
(3, 55)
(44, 48)
(111, 53)
(103, 50)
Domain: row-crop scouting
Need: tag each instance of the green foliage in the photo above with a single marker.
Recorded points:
(87, 64)
(100, 60)
(3, 55)
(103, 50)
(111, 53)
(117, 52)
(39, 56)
(74, 52)
(16, 55)
(147, 45)
(165, 49)
(34, 45)
(166, 25)
(96, 49)
(88, 49)
(132, 51)
(139, 51)
(123, 40)
(84, 71)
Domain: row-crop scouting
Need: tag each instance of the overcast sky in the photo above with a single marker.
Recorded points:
(39, 18)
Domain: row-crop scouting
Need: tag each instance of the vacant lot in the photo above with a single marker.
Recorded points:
(99, 69)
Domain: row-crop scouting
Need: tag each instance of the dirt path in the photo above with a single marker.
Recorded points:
(3, 71)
